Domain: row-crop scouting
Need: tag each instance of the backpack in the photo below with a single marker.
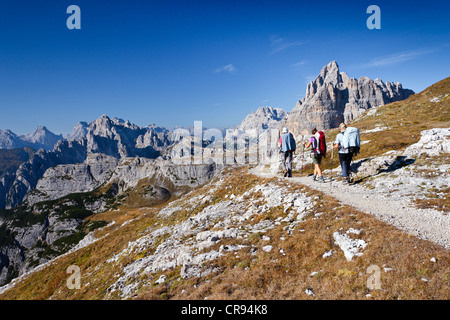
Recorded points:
(351, 140)
(321, 145)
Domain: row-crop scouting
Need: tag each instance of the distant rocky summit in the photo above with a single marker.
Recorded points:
(40, 138)
(263, 118)
(334, 98)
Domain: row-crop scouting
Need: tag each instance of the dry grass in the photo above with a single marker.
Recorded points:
(264, 275)
(277, 276)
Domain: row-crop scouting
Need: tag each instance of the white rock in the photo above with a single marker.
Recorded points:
(161, 279)
(349, 246)
(327, 254)
(309, 292)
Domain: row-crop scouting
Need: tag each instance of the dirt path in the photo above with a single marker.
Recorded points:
(426, 224)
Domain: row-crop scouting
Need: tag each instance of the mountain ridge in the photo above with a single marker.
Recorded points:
(333, 97)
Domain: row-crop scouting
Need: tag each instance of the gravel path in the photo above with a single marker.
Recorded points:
(426, 224)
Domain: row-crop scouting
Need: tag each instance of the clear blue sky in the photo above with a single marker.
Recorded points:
(174, 62)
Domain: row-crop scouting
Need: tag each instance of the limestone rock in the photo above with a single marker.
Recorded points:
(263, 118)
(333, 97)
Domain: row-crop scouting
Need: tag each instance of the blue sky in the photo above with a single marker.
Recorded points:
(174, 62)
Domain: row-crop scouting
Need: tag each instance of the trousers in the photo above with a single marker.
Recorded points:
(345, 159)
(286, 160)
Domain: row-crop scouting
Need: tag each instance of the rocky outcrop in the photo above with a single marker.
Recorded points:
(26, 177)
(263, 118)
(36, 230)
(114, 138)
(333, 97)
(65, 179)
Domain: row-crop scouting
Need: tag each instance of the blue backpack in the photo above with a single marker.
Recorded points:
(351, 140)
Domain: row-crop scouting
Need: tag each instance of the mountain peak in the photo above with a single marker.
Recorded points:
(330, 74)
(333, 97)
(263, 118)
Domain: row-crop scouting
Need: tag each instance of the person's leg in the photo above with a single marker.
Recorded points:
(289, 163)
(319, 160)
(283, 162)
(319, 170)
(314, 161)
(344, 164)
(349, 161)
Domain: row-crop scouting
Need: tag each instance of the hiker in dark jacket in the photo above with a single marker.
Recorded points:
(287, 148)
(316, 159)
(345, 156)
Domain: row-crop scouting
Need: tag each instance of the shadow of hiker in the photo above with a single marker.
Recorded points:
(399, 162)
(354, 166)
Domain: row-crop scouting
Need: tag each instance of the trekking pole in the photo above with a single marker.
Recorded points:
(331, 167)
(303, 153)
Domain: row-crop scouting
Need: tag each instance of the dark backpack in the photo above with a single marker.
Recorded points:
(321, 145)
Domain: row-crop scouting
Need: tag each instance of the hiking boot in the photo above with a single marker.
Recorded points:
(285, 173)
(314, 178)
(289, 173)
(320, 179)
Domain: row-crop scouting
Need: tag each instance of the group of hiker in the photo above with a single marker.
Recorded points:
(347, 144)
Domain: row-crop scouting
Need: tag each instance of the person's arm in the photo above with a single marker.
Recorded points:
(307, 144)
(337, 142)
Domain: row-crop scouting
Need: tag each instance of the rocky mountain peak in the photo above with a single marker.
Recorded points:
(330, 73)
(79, 131)
(333, 97)
(263, 118)
(42, 138)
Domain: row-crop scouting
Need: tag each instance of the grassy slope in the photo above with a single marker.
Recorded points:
(273, 275)
(266, 275)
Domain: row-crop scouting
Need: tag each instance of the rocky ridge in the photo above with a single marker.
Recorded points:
(333, 97)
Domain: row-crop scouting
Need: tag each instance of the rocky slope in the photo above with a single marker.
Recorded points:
(334, 98)
(51, 219)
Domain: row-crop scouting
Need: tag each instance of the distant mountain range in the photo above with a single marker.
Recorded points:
(332, 98)
(40, 138)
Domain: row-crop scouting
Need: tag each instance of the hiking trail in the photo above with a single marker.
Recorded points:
(427, 224)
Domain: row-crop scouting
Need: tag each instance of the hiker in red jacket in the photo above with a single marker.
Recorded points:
(316, 158)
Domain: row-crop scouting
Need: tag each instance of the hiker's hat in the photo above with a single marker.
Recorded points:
(285, 130)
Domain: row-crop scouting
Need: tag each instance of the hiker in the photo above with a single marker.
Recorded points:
(348, 143)
(345, 157)
(315, 155)
(287, 148)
